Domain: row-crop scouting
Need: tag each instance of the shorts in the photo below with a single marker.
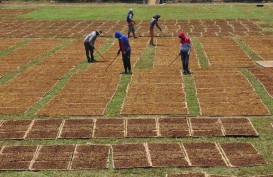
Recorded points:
(131, 28)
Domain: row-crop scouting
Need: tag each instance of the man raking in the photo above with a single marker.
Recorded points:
(89, 44)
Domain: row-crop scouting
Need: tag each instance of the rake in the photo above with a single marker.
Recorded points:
(111, 63)
(174, 59)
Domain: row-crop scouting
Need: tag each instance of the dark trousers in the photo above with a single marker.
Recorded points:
(126, 58)
(89, 49)
(185, 60)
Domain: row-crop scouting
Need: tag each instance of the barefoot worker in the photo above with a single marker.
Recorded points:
(131, 23)
(152, 24)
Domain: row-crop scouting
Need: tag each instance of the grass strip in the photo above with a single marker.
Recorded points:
(114, 107)
(13, 74)
(147, 59)
(4, 52)
(117, 11)
(247, 49)
(259, 89)
(201, 56)
(191, 97)
(62, 82)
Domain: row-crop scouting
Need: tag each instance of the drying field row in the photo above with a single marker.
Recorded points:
(89, 156)
(265, 76)
(126, 128)
(226, 92)
(156, 90)
(27, 28)
(20, 93)
(261, 46)
(9, 43)
(25, 54)
(225, 53)
(88, 92)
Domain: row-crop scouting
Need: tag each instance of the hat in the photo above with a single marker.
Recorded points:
(156, 17)
(131, 9)
(181, 35)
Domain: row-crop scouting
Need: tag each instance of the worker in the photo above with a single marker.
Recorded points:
(152, 24)
(89, 44)
(185, 48)
(131, 23)
(125, 49)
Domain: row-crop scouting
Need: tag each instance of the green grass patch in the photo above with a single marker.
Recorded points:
(147, 59)
(13, 74)
(180, 12)
(114, 107)
(4, 52)
(201, 56)
(247, 49)
(260, 90)
(191, 97)
(267, 29)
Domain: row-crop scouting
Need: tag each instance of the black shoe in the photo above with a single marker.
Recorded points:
(130, 72)
(89, 61)
(185, 72)
(188, 72)
(125, 72)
